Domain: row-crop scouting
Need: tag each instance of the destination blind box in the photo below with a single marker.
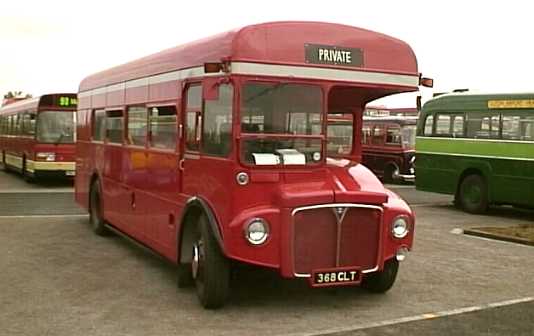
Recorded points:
(334, 55)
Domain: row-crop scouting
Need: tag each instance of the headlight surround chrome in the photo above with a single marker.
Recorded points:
(256, 231)
(400, 226)
(45, 156)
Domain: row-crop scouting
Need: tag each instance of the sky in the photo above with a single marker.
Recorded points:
(50, 46)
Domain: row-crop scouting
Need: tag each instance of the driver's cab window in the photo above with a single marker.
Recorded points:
(339, 133)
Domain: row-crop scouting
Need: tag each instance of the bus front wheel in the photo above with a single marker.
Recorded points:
(210, 268)
(390, 173)
(96, 217)
(473, 194)
(382, 281)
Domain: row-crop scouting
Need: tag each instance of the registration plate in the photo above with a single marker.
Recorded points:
(70, 173)
(335, 277)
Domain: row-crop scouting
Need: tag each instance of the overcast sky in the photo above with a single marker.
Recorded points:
(50, 46)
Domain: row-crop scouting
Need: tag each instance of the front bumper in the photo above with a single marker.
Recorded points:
(405, 177)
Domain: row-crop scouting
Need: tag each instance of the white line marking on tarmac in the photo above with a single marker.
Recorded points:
(43, 216)
(37, 191)
(426, 316)
(497, 241)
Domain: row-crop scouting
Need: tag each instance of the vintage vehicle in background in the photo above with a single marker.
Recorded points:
(388, 144)
(37, 136)
(388, 147)
(478, 147)
(215, 153)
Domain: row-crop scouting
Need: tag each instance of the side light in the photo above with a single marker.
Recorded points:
(256, 231)
(426, 82)
(401, 254)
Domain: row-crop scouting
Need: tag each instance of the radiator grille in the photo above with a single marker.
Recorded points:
(336, 236)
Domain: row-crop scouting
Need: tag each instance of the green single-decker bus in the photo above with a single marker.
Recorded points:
(479, 148)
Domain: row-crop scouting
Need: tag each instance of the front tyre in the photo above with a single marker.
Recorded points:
(96, 217)
(391, 172)
(473, 194)
(382, 281)
(210, 268)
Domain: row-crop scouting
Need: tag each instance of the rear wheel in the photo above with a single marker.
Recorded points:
(473, 194)
(96, 217)
(210, 268)
(382, 281)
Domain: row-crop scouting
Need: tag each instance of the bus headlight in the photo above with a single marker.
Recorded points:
(400, 227)
(45, 156)
(257, 231)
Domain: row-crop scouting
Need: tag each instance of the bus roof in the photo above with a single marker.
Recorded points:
(268, 43)
(476, 101)
(402, 120)
(33, 103)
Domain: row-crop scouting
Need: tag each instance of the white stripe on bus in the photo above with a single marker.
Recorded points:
(258, 69)
(323, 73)
(477, 156)
(476, 140)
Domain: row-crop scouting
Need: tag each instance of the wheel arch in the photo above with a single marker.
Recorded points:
(193, 209)
(482, 170)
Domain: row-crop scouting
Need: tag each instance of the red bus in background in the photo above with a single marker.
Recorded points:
(388, 145)
(37, 136)
(214, 153)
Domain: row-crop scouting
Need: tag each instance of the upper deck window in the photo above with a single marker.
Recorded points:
(281, 108)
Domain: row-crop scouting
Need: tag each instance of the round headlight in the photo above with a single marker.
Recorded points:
(399, 227)
(257, 231)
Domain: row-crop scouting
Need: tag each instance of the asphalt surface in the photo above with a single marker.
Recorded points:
(42, 197)
(59, 279)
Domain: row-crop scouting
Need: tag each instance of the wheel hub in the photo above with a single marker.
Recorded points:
(197, 259)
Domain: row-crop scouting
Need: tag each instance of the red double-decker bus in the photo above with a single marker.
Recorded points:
(214, 153)
(37, 136)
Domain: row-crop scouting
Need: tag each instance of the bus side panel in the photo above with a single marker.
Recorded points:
(163, 186)
(84, 157)
(437, 173)
(510, 181)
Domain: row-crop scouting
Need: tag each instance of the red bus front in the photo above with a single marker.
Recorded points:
(38, 136)
(216, 153)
